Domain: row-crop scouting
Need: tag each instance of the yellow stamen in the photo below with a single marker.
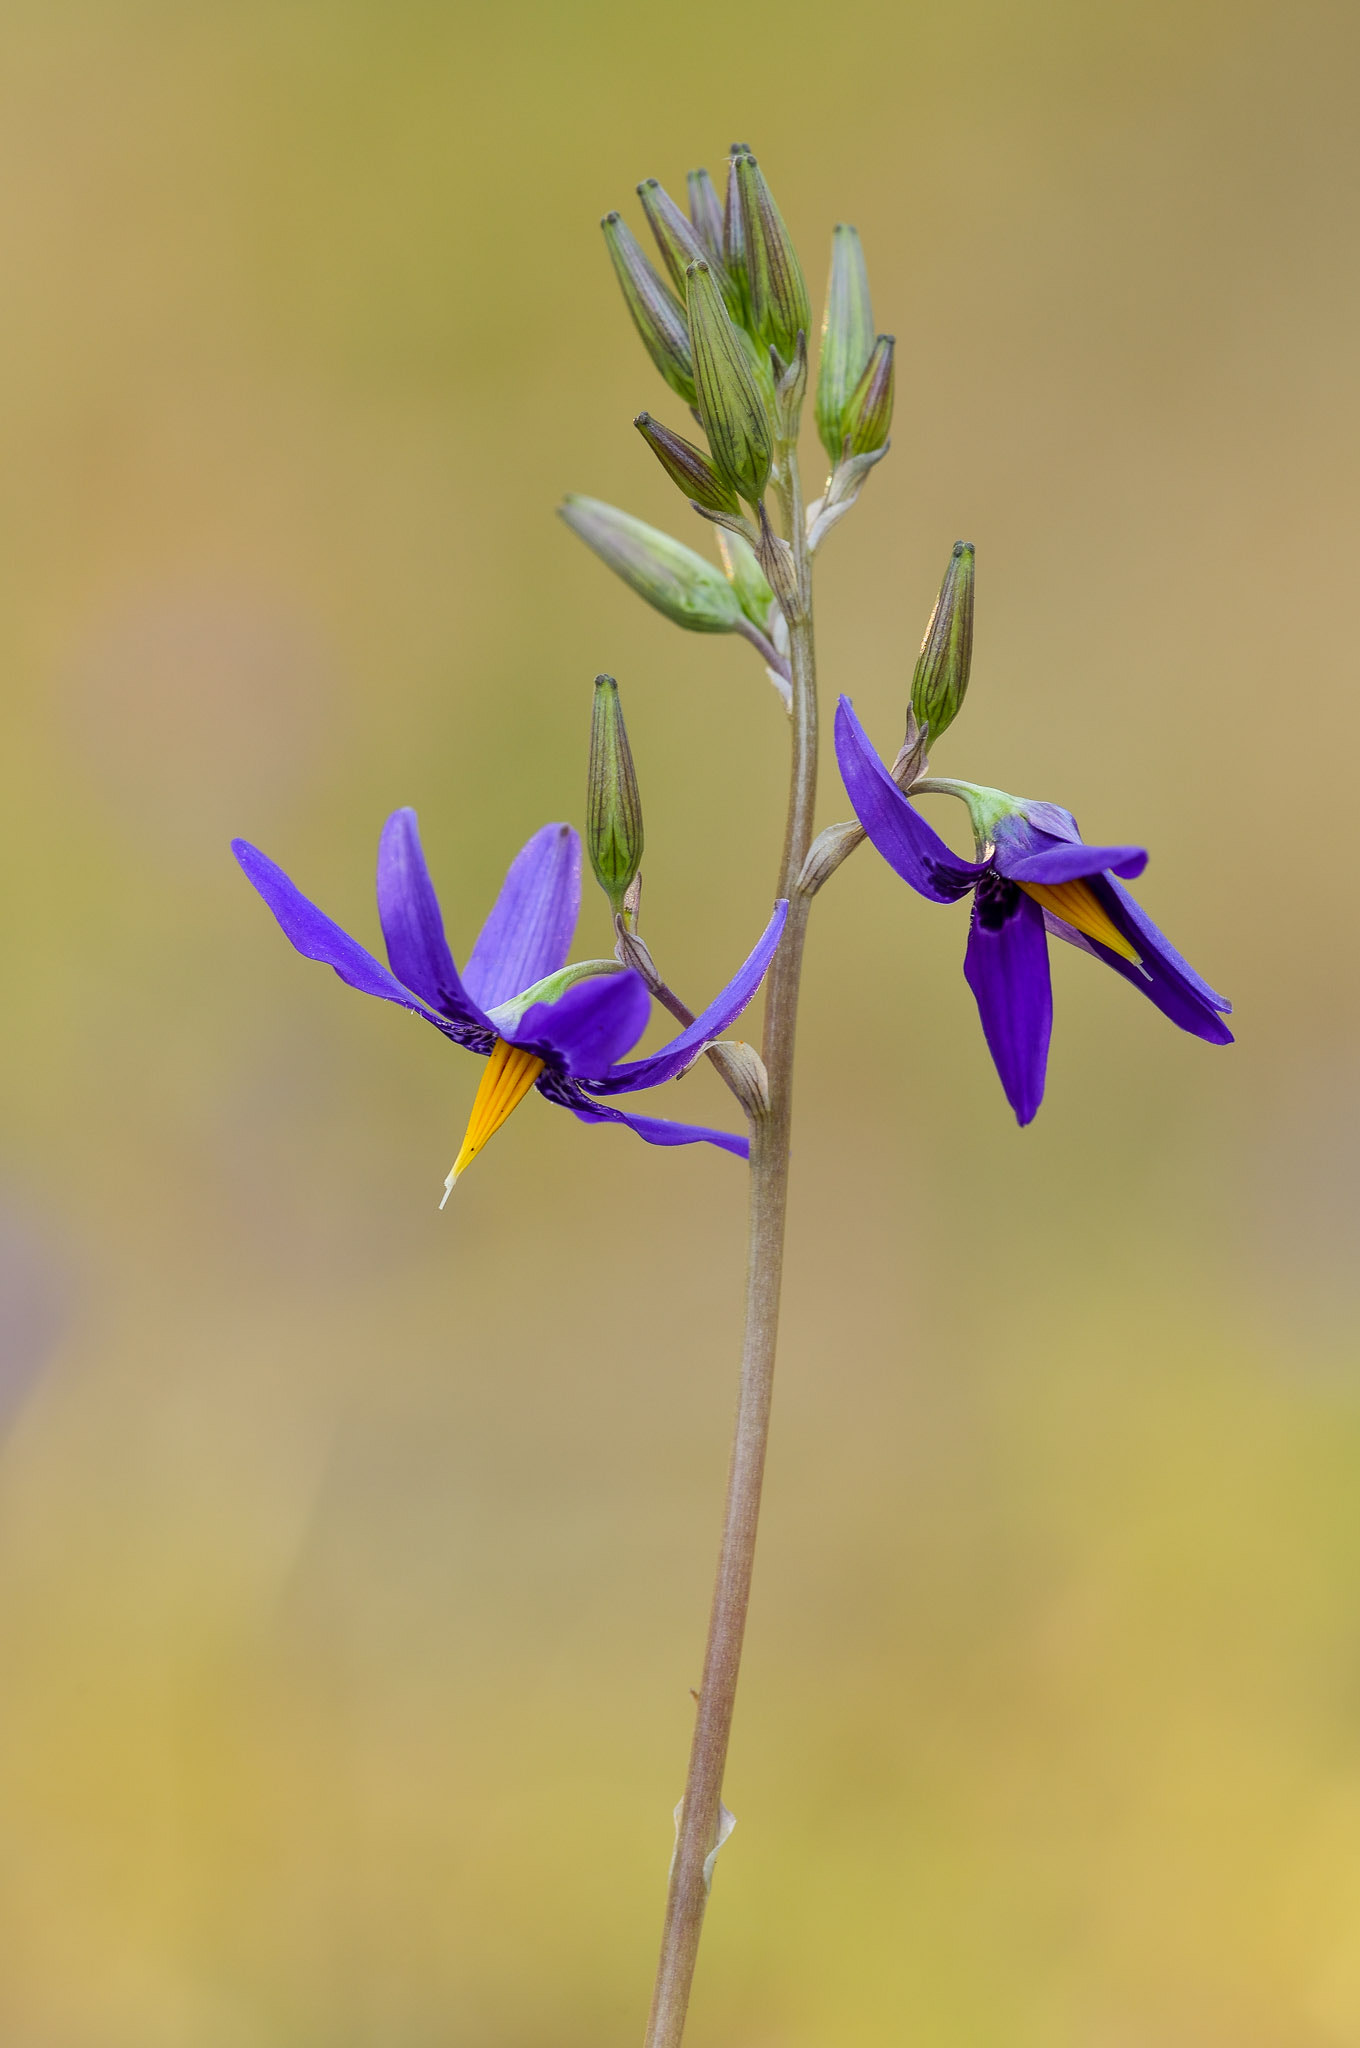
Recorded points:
(1077, 904)
(510, 1074)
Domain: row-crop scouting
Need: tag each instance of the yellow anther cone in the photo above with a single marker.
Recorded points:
(510, 1074)
(1077, 904)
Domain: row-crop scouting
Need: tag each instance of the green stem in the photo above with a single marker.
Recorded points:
(770, 1132)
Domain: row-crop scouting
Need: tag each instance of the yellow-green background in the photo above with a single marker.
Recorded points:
(354, 1558)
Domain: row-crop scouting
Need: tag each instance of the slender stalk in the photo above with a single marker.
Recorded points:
(698, 1832)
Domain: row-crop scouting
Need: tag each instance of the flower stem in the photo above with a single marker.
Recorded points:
(770, 1132)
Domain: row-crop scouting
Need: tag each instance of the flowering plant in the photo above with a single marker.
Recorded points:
(726, 320)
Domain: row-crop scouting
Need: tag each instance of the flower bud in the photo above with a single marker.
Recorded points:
(680, 245)
(735, 413)
(688, 467)
(847, 337)
(665, 572)
(869, 409)
(734, 237)
(706, 214)
(780, 310)
(613, 806)
(941, 678)
(747, 578)
(657, 313)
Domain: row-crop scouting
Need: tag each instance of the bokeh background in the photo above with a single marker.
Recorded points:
(354, 1559)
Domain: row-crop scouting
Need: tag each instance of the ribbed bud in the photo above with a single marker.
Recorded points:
(613, 806)
(705, 212)
(847, 337)
(734, 237)
(669, 575)
(869, 409)
(941, 678)
(780, 308)
(657, 313)
(688, 467)
(734, 412)
(680, 245)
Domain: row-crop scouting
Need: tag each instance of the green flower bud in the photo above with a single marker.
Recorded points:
(613, 806)
(747, 578)
(665, 572)
(680, 245)
(780, 309)
(688, 467)
(706, 214)
(734, 411)
(869, 410)
(734, 238)
(847, 337)
(941, 678)
(657, 313)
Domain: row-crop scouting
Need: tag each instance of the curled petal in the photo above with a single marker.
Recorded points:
(408, 910)
(686, 1048)
(592, 1024)
(910, 847)
(654, 1130)
(1006, 966)
(1039, 859)
(318, 937)
(1164, 977)
(529, 932)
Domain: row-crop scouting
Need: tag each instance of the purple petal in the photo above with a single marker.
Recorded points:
(529, 932)
(654, 1129)
(1164, 978)
(900, 833)
(684, 1050)
(408, 910)
(1006, 967)
(1029, 856)
(317, 936)
(592, 1024)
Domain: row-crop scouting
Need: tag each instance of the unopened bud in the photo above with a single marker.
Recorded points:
(941, 678)
(847, 337)
(705, 212)
(734, 237)
(780, 309)
(869, 410)
(688, 467)
(657, 313)
(747, 578)
(680, 245)
(665, 572)
(613, 806)
(734, 411)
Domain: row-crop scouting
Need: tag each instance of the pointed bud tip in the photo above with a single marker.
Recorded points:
(649, 185)
(609, 220)
(963, 547)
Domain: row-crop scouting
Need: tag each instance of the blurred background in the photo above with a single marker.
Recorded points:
(354, 1559)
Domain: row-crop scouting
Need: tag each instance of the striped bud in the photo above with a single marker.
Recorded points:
(613, 806)
(734, 411)
(734, 238)
(670, 576)
(705, 212)
(680, 245)
(847, 337)
(941, 678)
(869, 409)
(657, 313)
(780, 309)
(688, 467)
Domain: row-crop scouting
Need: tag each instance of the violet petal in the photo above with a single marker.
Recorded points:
(910, 847)
(592, 1024)
(1006, 966)
(529, 932)
(683, 1050)
(412, 925)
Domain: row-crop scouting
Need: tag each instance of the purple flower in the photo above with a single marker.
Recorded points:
(539, 1022)
(1035, 877)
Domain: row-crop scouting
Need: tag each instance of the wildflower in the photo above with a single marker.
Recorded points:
(1034, 877)
(538, 1022)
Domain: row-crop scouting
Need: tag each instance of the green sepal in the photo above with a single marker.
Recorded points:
(614, 836)
(847, 336)
(941, 676)
(657, 313)
(733, 408)
(670, 576)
